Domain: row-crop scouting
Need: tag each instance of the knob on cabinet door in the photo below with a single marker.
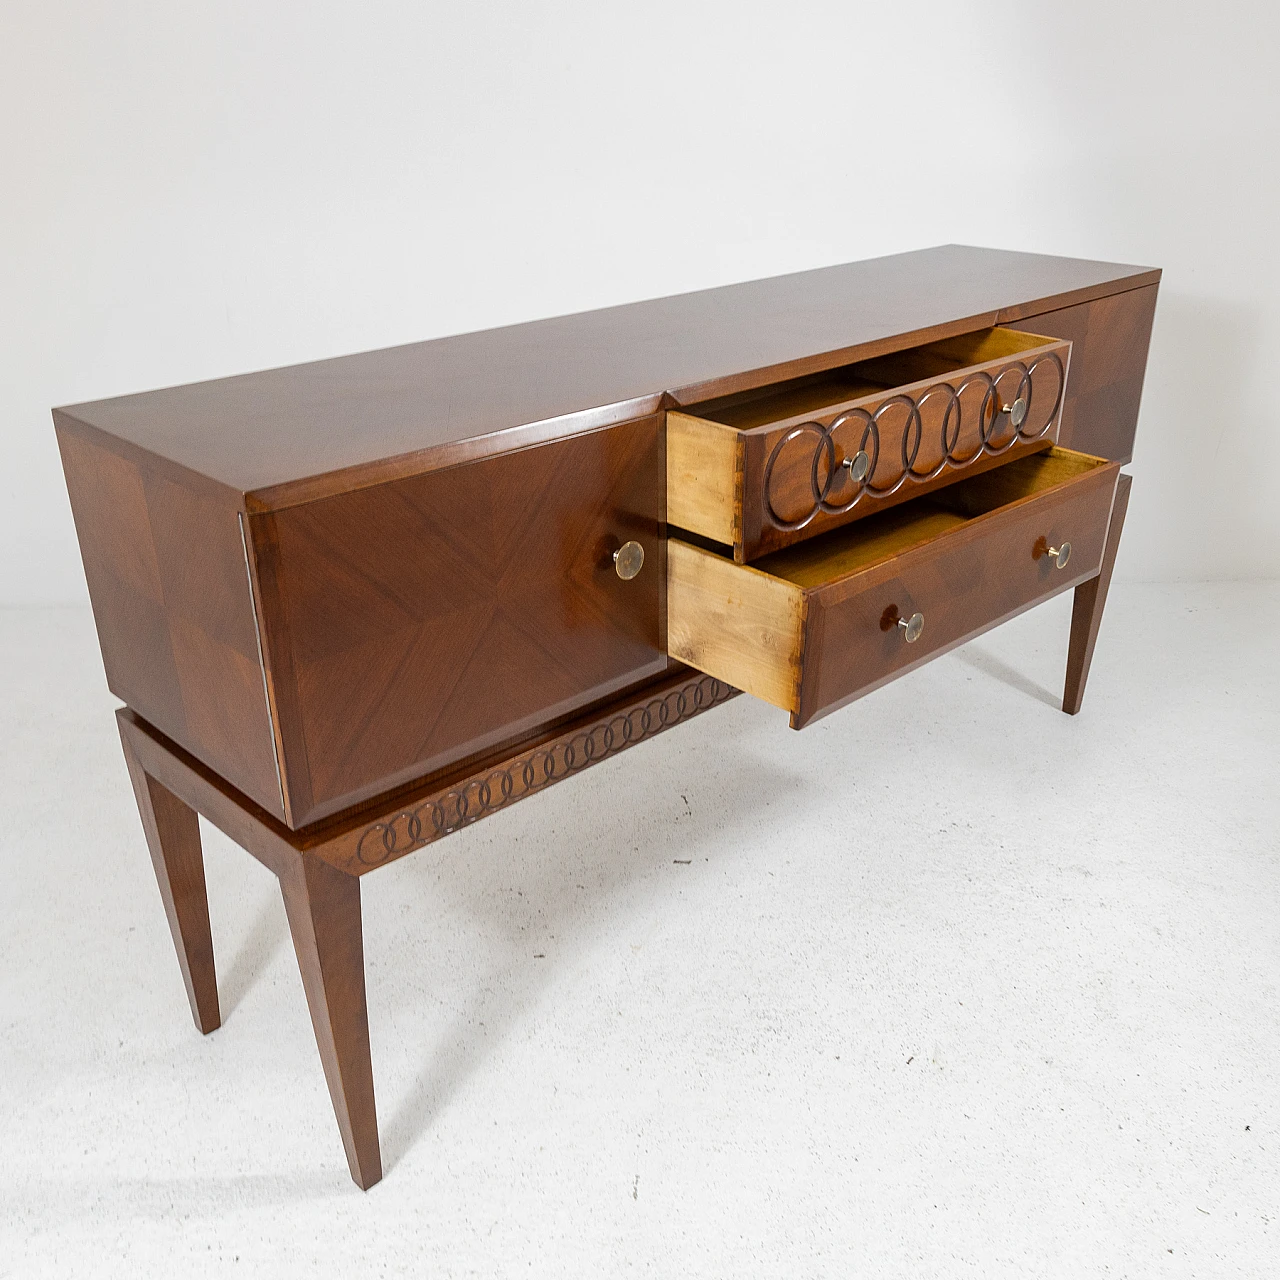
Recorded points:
(628, 560)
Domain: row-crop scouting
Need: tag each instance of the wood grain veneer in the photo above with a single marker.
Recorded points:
(924, 417)
(165, 564)
(356, 605)
(1109, 339)
(289, 435)
(422, 622)
(281, 586)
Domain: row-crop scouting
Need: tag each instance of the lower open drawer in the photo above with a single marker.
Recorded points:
(818, 624)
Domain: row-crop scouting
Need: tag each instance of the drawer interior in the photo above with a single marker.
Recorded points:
(783, 400)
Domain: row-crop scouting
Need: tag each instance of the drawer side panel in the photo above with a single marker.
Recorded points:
(704, 477)
(743, 627)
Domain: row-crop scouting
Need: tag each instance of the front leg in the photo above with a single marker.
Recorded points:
(173, 836)
(1090, 600)
(323, 906)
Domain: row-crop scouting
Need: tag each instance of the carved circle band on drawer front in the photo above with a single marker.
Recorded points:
(952, 427)
(447, 811)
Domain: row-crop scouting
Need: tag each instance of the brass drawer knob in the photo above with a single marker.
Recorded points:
(912, 627)
(628, 560)
(1059, 555)
(1017, 411)
(857, 466)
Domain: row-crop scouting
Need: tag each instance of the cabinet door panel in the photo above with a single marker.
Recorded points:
(414, 624)
(1109, 339)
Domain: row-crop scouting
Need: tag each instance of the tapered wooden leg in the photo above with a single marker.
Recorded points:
(323, 905)
(173, 836)
(1091, 599)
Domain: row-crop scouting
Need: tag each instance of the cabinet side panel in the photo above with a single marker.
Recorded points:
(1109, 340)
(415, 624)
(167, 578)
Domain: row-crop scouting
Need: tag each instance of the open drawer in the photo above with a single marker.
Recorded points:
(768, 468)
(821, 623)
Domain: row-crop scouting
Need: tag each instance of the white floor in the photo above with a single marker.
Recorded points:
(953, 985)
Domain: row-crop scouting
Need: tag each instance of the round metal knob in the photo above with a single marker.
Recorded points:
(1017, 411)
(912, 627)
(857, 466)
(1060, 555)
(628, 560)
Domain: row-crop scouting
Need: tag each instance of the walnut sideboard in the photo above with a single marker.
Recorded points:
(354, 605)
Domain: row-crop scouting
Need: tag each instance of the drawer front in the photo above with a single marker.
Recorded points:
(963, 584)
(813, 627)
(430, 620)
(772, 485)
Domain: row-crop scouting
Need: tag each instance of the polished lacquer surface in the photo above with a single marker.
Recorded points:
(261, 431)
(355, 605)
(448, 591)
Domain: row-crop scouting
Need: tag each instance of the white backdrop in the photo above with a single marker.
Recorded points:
(198, 189)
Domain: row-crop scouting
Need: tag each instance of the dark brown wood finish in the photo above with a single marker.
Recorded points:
(165, 565)
(426, 816)
(1109, 339)
(1090, 600)
(323, 906)
(374, 834)
(294, 434)
(250, 540)
(812, 627)
(419, 623)
(172, 830)
(318, 870)
(356, 605)
(778, 460)
(967, 582)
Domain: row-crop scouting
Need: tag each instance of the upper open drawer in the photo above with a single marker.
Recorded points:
(766, 468)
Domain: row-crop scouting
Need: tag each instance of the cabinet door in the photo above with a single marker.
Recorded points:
(417, 623)
(1109, 339)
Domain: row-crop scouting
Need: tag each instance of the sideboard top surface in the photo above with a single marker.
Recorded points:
(290, 434)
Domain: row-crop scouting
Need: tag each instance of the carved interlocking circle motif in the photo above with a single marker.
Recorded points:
(440, 814)
(992, 409)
